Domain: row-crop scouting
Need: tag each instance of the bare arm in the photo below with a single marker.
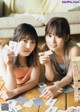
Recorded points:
(75, 51)
(45, 60)
(6, 70)
(49, 73)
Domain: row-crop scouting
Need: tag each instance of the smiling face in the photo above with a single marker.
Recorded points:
(54, 43)
(26, 46)
(57, 33)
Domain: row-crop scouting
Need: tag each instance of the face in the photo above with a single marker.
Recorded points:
(26, 46)
(54, 43)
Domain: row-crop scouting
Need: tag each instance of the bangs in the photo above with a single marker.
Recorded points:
(21, 35)
(58, 26)
(55, 29)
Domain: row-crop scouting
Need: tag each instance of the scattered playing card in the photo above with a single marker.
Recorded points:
(21, 99)
(12, 103)
(51, 102)
(42, 84)
(38, 102)
(61, 111)
(71, 109)
(28, 103)
(18, 107)
(41, 89)
(67, 89)
(52, 109)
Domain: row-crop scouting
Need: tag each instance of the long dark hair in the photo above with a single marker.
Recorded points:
(61, 27)
(20, 33)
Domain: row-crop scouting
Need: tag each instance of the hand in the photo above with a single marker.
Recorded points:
(7, 56)
(50, 92)
(8, 94)
(44, 59)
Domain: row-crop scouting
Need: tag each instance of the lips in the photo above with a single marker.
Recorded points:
(26, 51)
(53, 45)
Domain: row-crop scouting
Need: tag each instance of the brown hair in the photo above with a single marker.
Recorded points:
(20, 33)
(61, 27)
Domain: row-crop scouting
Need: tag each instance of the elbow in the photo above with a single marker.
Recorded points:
(35, 82)
(50, 78)
(9, 88)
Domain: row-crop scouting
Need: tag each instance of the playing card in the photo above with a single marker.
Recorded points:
(15, 47)
(21, 99)
(28, 103)
(52, 109)
(38, 102)
(71, 109)
(47, 53)
(42, 84)
(6, 47)
(41, 89)
(18, 107)
(67, 89)
(61, 111)
(12, 103)
(78, 108)
(56, 82)
(51, 102)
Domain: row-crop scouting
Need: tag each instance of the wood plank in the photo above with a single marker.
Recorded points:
(1, 83)
(60, 103)
(71, 101)
(34, 93)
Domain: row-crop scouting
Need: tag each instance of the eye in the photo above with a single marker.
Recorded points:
(49, 35)
(33, 41)
(25, 40)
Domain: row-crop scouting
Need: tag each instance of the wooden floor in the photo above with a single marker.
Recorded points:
(63, 100)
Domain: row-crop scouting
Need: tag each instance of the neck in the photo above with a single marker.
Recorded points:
(22, 61)
(60, 56)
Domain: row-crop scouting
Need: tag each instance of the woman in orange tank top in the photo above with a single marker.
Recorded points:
(20, 66)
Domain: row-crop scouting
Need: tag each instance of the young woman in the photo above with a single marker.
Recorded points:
(25, 71)
(58, 64)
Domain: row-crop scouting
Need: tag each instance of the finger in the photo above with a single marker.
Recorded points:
(44, 93)
(49, 96)
(44, 90)
(41, 54)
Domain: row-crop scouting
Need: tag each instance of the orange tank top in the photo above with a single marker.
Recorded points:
(22, 74)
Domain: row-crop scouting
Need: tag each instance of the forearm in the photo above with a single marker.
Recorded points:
(65, 81)
(25, 87)
(10, 80)
(49, 72)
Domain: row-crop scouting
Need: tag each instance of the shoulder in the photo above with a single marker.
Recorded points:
(74, 51)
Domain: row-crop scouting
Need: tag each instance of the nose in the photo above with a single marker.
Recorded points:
(53, 39)
(28, 45)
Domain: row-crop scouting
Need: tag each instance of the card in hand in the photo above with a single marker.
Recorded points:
(15, 47)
